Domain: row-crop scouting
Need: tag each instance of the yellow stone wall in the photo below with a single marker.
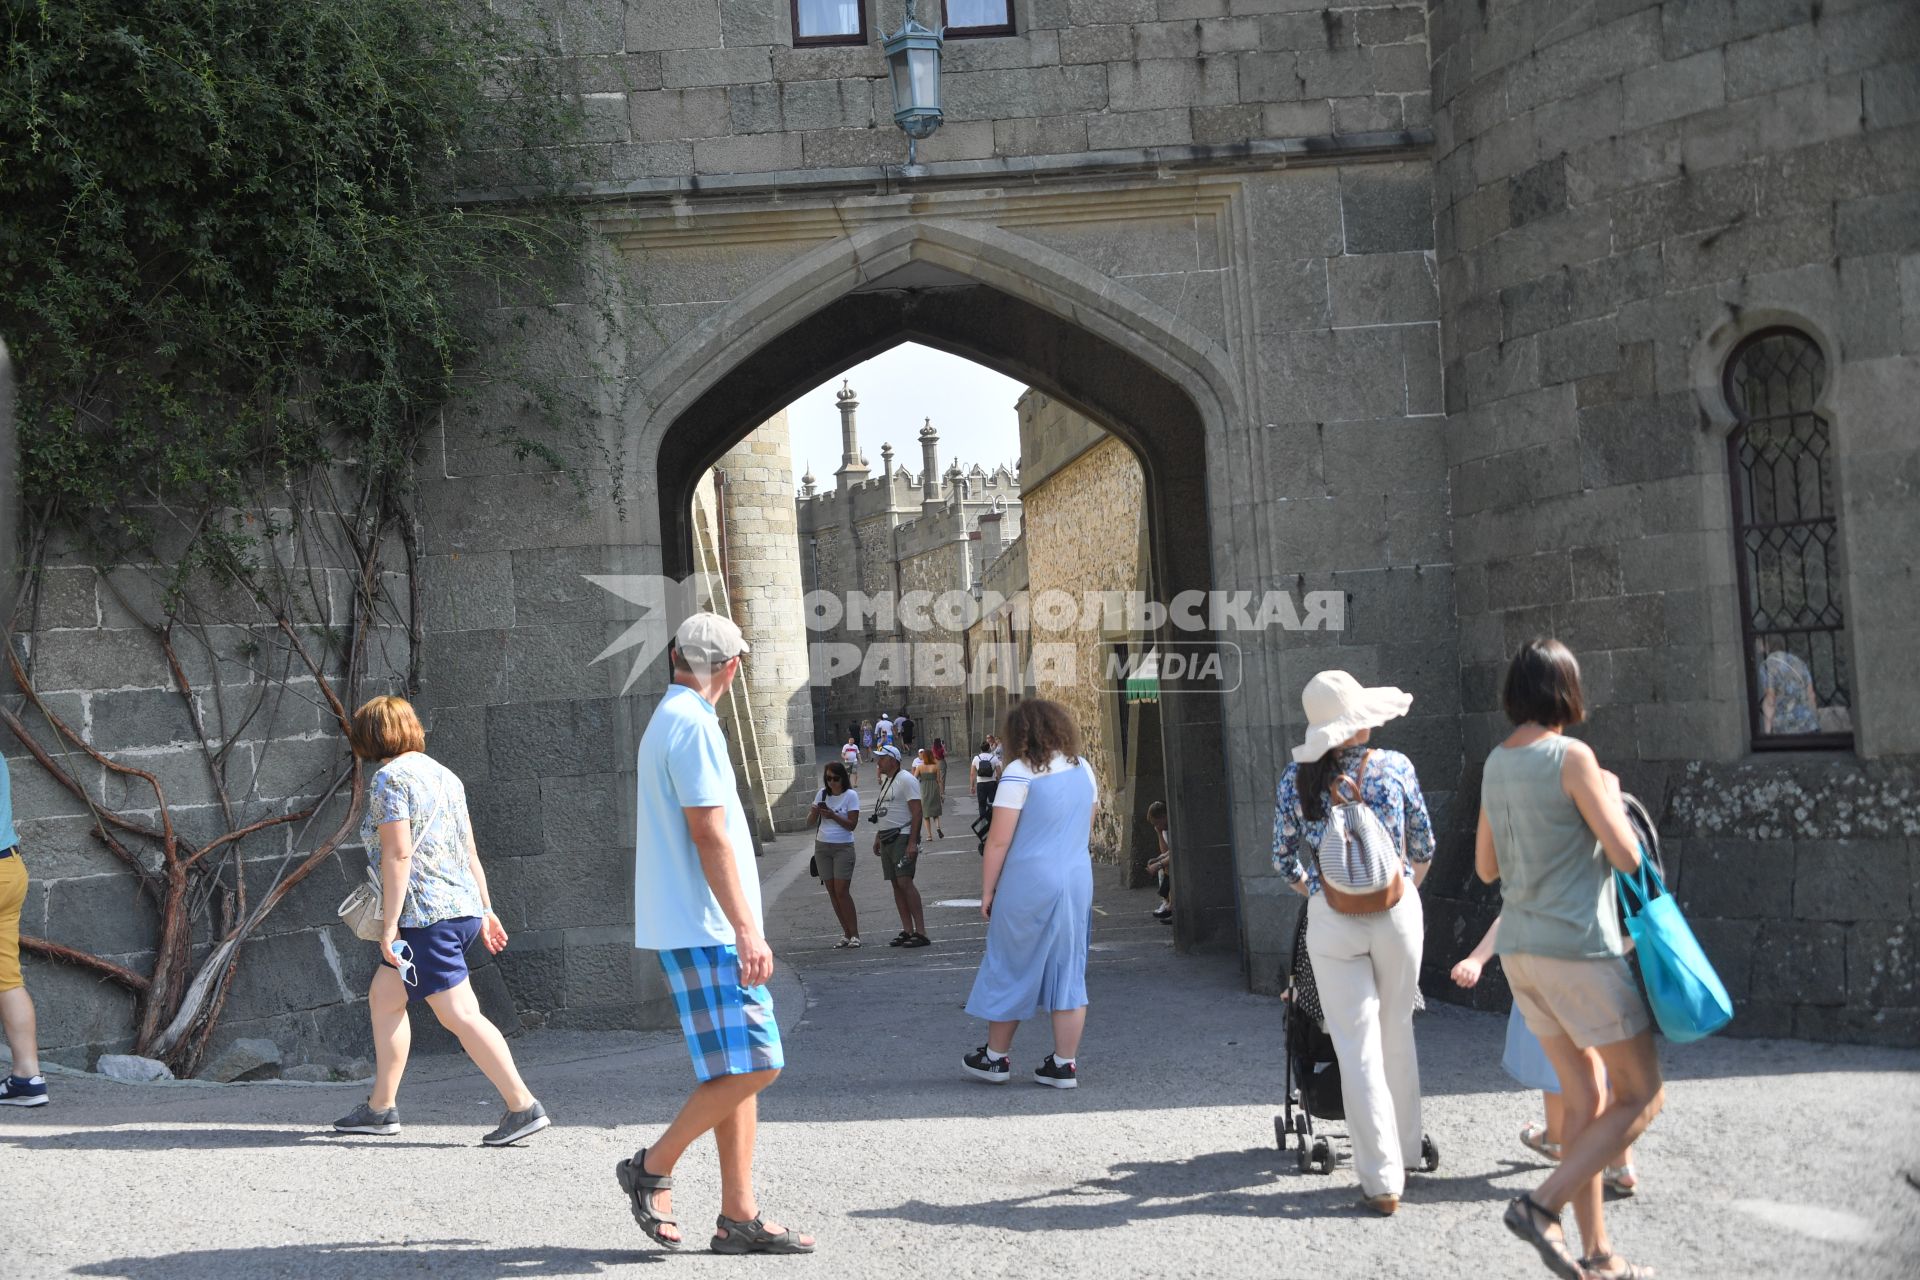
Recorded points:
(1083, 527)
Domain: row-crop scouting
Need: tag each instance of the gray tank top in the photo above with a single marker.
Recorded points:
(1556, 886)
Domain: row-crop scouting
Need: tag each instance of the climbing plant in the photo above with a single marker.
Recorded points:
(248, 259)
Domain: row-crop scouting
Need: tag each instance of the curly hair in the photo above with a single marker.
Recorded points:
(1038, 729)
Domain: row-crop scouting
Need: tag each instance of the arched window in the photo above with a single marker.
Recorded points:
(1787, 544)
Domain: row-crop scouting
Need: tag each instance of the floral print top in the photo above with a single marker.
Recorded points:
(1786, 679)
(430, 799)
(1389, 788)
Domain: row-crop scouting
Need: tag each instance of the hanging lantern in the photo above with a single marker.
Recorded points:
(913, 68)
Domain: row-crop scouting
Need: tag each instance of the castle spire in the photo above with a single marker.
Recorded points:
(929, 465)
(853, 465)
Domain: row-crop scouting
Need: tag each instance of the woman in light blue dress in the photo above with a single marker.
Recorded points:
(1037, 895)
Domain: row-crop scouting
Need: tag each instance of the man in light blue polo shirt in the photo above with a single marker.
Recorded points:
(696, 894)
(24, 1087)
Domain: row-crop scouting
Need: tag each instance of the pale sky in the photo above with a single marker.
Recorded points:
(971, 407)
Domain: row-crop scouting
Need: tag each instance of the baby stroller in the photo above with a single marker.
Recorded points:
(1313, 1074)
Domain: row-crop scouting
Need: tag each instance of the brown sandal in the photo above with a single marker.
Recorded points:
(1625, 1271)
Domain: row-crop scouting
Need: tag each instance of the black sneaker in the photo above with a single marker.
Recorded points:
(19, 1091)
(516, 1125)
(364, 1119)
(1056, 1075)
(982, 1067)
(901, 939)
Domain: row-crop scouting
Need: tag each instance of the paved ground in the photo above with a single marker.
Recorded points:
(1774, 1158)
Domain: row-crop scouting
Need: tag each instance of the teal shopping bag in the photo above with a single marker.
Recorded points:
(1689, 1000)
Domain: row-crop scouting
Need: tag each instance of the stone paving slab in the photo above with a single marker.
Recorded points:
(1775, 1158)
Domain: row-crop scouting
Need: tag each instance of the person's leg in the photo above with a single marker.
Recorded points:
(392, 1036)
(1632, 1094)
(1579, 1105)
(735, 1137)
(705, 1109)
(849, 916)
(1000, 1037)
(459, 1012)
(900, 904)
(1399, 936)
(1068, 1026)
(1550, 1104)
(1338, 946)
(22, 1031)
(915, 909)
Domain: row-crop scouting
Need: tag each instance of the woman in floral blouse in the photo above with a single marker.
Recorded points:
(1367, 966)
(420, 844)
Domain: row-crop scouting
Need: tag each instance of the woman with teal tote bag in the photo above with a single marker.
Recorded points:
(1689, 1001)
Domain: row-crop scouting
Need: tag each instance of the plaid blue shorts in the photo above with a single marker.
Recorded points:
(730, 1029)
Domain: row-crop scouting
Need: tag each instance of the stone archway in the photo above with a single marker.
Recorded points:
(1134, 369)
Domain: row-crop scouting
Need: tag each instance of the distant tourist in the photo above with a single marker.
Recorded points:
(903, 729)
(940, 758)
(866, 738)
(850, 757)
(1160, 865)
(883, 731)
(926, 771)
(1036, 893)
(697, 903)
(983, 774)
(1562, 832)
(434, 892)
(1365, 950)
(836, 814)
(24, 1086)
(896, 841)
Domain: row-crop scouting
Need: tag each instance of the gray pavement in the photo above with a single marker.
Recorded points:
(1774, 1158)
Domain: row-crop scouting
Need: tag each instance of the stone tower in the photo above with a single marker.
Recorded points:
(753, 489)
(929, 464)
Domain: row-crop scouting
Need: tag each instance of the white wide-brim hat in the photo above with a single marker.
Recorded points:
(1338, 706)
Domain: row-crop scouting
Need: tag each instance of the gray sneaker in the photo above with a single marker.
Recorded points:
(366, 1120)
(516, 1125)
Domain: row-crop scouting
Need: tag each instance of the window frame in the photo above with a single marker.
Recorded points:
(831, 42)
(1742, 521)
(1007, 28)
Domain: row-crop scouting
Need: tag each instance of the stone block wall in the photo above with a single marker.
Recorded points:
(1083, 535)
(1622, 192)
(683, 87)
(762, 568)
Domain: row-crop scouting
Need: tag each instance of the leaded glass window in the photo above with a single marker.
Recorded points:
(1787, 544)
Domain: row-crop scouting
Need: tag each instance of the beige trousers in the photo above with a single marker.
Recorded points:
(1368, 969)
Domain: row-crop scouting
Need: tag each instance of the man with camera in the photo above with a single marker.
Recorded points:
(897, 842)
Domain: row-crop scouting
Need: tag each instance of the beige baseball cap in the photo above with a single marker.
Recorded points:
(706, 640)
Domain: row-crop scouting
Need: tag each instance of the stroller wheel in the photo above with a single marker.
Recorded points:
(1304, 1161)
(1302, 1126)
(1322, 1159)
(1280, 1131)
(1429, 1154)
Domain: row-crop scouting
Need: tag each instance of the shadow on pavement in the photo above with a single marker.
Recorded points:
(203, 1138)
(1256, 1183)
(349, 1261)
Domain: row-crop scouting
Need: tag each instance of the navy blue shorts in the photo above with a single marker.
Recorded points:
(439, 955)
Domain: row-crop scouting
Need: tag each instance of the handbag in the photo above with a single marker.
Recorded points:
(1360, 870)
(1688, 999)
(364, 910)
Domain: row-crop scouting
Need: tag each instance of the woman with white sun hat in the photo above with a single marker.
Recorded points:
(1364, 928)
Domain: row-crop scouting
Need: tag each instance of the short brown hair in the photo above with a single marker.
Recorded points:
(1038, 729)
(385, 727)
(1543, 685)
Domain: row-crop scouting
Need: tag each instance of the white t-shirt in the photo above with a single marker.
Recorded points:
(850, 753)
(882, 729)
(986, 766)
(1019, 775)
(896, 796)
(847, 802)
